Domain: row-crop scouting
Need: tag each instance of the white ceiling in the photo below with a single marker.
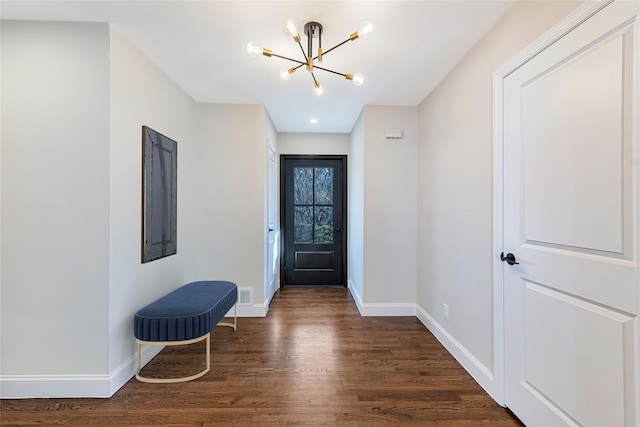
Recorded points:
(201, 45)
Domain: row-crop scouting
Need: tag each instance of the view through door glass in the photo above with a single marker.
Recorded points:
(313, 221)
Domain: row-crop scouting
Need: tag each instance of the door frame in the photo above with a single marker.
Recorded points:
(272, 203)
(577, 17)
(345, 209)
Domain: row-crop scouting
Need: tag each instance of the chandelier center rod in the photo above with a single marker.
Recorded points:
(313, 29)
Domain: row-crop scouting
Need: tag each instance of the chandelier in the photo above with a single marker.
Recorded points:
(313, 30)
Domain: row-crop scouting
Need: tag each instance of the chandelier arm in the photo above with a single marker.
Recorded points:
(330, 71)
(323, 53)
(302, 50)
(314, 58)
(335, 47)
(289, 59)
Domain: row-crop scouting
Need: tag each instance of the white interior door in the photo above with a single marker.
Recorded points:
(571, 219)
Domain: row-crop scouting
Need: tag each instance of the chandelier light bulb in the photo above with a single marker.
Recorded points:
(254, 49)
(292, 27)
(357, 79)
(366, 28)
(318, 89)
(284, 73)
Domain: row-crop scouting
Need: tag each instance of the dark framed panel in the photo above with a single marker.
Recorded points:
(159, 195)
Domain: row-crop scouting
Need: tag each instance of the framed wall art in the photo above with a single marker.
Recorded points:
(159, 195)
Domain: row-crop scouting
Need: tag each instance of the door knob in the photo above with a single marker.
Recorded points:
(510, 258)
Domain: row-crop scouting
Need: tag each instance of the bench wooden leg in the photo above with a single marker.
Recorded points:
(180, 379)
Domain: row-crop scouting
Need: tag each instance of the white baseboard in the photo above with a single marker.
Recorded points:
(386, 309)
(57, 386)
(252, 310)
(356, 296)
(476, 369)
(61, 386)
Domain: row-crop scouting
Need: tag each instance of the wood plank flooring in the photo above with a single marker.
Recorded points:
(312, 361)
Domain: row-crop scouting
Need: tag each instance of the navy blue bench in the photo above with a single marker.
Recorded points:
(185, 316)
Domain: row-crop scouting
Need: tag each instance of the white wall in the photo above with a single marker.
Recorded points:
(55, 199)
(143, 95)
(390, 209)
(232, 198)
(314, 143)
(455, 189)
(383, 217)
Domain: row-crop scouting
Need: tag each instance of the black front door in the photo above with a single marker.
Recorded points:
(314, 220)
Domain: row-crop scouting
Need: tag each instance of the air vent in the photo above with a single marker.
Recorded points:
(245, 296)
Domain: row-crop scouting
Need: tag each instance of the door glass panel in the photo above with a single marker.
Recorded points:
(313, 205)
(323, 224)
(302, 224)
(323, 186)
(303, 186)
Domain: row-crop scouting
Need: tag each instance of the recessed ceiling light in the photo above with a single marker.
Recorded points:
(313, 121)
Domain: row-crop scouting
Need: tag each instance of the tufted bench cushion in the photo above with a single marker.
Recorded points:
(188, 312)
(185, 316)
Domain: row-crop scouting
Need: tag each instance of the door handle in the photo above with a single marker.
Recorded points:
(509, 258)
(338, 230)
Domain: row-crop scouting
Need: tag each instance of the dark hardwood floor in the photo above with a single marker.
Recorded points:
(312, 361)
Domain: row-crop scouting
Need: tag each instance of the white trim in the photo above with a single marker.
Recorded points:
(577, 17)
(253, 310)
(356, 296)
(498, 238)
(473, 366)
(388, 309)
(580, 15)
(56, 386)
(380, 309)
(64, 386)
